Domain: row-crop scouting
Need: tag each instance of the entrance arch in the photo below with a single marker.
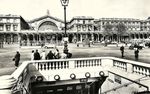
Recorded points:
(47, 25)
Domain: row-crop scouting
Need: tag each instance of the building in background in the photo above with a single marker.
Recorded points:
(49, 29)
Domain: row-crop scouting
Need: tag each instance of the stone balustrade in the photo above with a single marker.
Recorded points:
(23, 73)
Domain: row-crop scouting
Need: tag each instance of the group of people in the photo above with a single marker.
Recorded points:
(136, 52)
(35, 55)
(56, 55)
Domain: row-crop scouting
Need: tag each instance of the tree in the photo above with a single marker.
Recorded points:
(108, 29)
(121, 30)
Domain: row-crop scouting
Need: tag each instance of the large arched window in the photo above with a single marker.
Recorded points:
(48, 25)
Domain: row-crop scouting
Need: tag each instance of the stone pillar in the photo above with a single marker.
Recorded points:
(4, 27)
(19, 40)
(40, 38)
(33, 43)
(98, 38)
(81, 38)
(28, 40)
(11, 27)
(45, 38)
(92, 35)
(129, 68)
(11, 38)
(4, 38)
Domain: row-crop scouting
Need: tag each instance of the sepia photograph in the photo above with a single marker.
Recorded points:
(74, 46)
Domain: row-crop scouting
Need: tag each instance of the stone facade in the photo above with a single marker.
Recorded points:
(48, 29)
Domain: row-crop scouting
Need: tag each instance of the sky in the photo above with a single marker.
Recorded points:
(30, 9)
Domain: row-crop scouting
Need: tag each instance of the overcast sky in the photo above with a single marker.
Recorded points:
(30, 9)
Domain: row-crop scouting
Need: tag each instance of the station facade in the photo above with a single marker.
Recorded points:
(49, 29)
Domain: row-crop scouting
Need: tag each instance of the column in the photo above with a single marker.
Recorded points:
(28, 40)
(98, 37)
(11, 27)
(81, 37)
(92, 35)
(4, 27)
(11, 38)
(19, 40)
(4, 39)
(45, 38)
(33, 43)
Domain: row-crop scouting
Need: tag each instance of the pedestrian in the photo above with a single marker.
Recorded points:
(37, 55)
(32, 55)
(136, 52)
(43, 57)
(17, 59)
(63, 56)
(69, 55)
(50, 55)
(57, 54)
(122, 51)
(77, 44)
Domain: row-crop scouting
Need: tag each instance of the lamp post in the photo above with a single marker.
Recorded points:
(64, 4)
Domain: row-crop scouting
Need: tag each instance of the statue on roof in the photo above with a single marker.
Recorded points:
(48, 12)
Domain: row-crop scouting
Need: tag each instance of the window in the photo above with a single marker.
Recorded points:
(84, 28)
(8, 20)
(83, 22)
(1, 27)
(7, 27)
(15, 27)
(15, 20)
(78, 28)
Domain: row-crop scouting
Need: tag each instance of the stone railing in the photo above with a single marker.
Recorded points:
(22, 74)
(67, 63)
(132, 66)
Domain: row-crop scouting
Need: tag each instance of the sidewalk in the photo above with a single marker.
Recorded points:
(7, 71)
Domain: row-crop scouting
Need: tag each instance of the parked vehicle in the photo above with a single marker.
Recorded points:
(49, 46)
(139, 46)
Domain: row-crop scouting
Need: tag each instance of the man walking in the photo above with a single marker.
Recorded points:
(17, 59)
(50, 55)
(136, 52)
(122, 51)
(37, 55)
(32, 55)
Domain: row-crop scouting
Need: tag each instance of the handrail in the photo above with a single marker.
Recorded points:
(126, 84)
(20, 70)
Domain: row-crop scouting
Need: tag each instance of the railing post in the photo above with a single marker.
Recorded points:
(71, 64)
(107, 63)
(129, 68)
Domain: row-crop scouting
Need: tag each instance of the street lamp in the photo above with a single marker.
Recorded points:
(64, 4)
